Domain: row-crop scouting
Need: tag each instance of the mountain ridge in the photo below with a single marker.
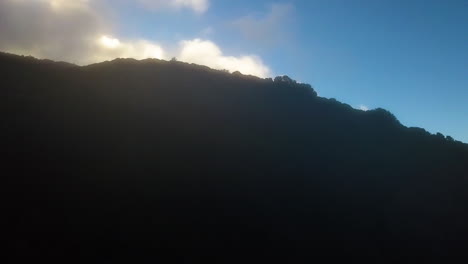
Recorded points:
(131, 158)
(283, 78)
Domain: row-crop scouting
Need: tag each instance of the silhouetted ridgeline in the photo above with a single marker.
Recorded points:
(152, 158)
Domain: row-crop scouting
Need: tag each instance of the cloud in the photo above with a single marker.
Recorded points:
(76, 31)
(197, 51)
(66, 4)
(363, 107)
(269, 28)
(65, 30)
(198, 6)
(207, 53)
(109, 48)
(54, 29)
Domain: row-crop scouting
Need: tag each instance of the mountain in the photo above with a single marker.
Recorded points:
(151, 159)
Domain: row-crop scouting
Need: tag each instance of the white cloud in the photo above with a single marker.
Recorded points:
(198, 6)
(197, 51)
(109, 48)
(76, 31)
(363, 107)
(109, 42)
(207, 53)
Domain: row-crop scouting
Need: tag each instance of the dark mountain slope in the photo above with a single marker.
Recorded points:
(152, 158)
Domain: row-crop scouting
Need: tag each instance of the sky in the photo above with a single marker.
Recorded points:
(407, 56)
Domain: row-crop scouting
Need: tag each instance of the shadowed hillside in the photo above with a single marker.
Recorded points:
(145, 159)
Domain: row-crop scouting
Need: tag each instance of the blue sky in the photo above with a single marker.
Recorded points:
(409, 57)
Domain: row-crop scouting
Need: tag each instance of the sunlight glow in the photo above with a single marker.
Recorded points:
(108, 42)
